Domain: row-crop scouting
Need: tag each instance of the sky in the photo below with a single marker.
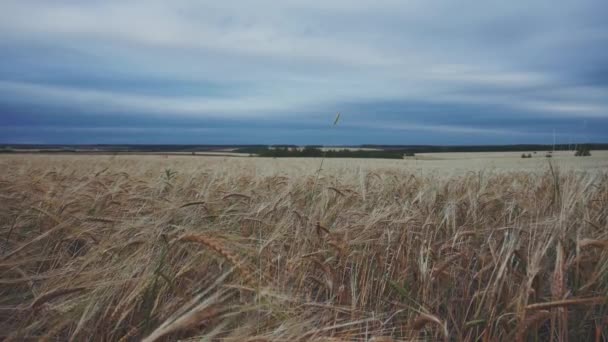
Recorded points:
(277, 72)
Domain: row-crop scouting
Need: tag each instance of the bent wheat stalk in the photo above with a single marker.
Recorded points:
(54, 294)
(423, 319)
(568, 302)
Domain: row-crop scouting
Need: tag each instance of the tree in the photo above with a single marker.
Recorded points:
(582, 151)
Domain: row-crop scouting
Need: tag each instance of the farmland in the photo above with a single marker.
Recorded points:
(443, 246)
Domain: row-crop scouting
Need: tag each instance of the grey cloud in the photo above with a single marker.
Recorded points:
(296, 59)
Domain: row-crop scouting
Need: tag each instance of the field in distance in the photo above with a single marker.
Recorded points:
(454, 246)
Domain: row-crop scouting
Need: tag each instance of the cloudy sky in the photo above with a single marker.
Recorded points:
(237, 72)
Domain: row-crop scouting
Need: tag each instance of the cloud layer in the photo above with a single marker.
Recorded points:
(450, 72)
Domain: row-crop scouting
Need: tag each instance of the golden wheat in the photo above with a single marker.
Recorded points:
(142, 247)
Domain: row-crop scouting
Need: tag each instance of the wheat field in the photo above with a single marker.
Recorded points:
(150, 248)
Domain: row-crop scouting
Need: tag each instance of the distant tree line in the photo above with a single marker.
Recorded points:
(485, 148)
(121, 148)
(315, 151)
(253, 149)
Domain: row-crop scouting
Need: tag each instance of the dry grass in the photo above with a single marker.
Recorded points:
(126, 249)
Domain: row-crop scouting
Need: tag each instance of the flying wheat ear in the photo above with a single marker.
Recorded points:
(337, 119)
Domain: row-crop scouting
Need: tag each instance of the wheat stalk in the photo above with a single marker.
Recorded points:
(47, 297)
(217, 247)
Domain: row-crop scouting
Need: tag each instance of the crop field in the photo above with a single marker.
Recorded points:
(471, 247)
